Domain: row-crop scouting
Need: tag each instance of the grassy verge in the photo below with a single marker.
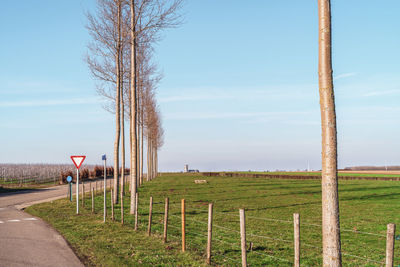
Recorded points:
(366, 208)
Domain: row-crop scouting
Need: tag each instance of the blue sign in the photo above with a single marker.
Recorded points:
(103, 157)
(69, 179)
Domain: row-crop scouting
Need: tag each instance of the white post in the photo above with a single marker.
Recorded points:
(105, 189)
(77, 191)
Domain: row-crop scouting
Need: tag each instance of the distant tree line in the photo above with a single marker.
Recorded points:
(372, 168)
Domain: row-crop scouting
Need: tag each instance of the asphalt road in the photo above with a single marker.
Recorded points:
(26, 240)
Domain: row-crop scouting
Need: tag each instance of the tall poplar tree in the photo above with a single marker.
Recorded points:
(330, 201)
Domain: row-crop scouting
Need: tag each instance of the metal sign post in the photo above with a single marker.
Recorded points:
(69, 180)
(77, 191)
(104, 158)
(77, 160)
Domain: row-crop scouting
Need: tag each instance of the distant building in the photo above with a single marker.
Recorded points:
(186, 168)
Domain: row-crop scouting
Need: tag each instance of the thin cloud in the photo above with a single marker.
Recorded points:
(190, 98)
(344, 75)
(383, 92)
(51, 102)
(229, 115)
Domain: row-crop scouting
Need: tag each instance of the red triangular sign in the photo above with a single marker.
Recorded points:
(78, 160)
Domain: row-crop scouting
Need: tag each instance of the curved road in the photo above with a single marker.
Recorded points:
(28, 241)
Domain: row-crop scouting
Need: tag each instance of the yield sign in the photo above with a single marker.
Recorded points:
(78, 160)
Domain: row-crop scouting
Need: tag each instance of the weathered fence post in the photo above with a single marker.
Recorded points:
(391, 228)
(92, 190)
(150, 216)
(243, 237)
(166, 219)
(183, 225)
(112, 205)
(296, 226)
(209, 232)
(136, 211)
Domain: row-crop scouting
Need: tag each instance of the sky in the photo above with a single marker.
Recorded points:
(239, 88)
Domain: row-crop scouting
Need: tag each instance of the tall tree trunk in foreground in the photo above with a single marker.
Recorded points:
(133, 109)
(330, 203)
(117, 105)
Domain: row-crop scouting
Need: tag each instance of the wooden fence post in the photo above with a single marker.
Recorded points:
(150, 216)
(243, 237)
(209, 236)
(136, 211)
(183, 225)
(92, 191)
(166, 219)
(112, 205)
(296, 226)
(391, 228)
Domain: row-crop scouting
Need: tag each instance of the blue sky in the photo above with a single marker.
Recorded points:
(240, 86)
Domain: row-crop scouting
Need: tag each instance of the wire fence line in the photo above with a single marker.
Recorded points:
(231, 213)
(227, 237)
(274, 238)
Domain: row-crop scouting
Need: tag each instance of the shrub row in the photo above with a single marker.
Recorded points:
(299, 177)
(86, 174)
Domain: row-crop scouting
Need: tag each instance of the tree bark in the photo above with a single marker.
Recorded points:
(329, 183)
(133, 108)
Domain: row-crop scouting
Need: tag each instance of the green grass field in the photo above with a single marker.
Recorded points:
(366, 207)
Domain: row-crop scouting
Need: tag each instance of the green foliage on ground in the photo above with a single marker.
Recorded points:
(366, 207)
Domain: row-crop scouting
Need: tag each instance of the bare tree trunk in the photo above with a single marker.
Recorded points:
(156, 162)
(141, 150)
(148, 159)
(133, 108)
(138, 149)
(330, 201)
(122, 136)
(139, 155)
(152, 160)
(117, 105)
(130, 131)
